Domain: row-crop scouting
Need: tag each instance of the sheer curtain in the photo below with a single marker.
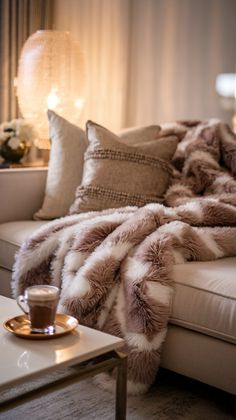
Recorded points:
(102, 28)
(151, 61)
(147, 61)
(177, 50)
(18, 20)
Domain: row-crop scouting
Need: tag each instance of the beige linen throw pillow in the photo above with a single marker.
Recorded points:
(68, 144)
(117, 175)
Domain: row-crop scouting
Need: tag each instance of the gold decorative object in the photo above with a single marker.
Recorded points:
(16, 139)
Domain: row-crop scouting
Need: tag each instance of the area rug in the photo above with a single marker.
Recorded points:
(172, 397)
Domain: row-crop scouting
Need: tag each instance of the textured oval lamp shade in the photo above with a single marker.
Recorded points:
(51, 75)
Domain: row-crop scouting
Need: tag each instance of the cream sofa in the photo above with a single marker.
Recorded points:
(202, 333)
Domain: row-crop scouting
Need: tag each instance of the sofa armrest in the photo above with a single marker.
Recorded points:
(21, 192)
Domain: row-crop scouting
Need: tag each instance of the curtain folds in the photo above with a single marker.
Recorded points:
(152, 61)
(102, 28)
(18, 20)
(177, 50)
(147, 61)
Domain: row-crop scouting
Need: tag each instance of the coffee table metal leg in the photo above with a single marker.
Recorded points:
(121, 387)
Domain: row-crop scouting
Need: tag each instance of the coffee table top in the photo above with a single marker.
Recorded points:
(21, 358)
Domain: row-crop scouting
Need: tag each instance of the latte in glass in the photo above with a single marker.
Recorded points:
(40, 303)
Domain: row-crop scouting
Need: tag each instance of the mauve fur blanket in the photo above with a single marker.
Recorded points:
(114, 267)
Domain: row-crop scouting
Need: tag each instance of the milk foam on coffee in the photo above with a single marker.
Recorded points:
(42, 293)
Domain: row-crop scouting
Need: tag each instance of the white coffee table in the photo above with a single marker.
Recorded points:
(24, 360)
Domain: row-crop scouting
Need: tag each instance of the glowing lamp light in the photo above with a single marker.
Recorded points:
(226, 85)
(226, 89)
(51, 75)
(53, 99)
(79, 102)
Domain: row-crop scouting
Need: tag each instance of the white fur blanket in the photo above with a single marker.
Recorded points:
(115, 267)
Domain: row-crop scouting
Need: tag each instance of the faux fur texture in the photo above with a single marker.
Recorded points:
(115, 267)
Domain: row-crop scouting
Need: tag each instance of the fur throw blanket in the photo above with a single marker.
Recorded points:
(114, 267)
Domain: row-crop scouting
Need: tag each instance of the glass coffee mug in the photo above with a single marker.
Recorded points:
(40, 304)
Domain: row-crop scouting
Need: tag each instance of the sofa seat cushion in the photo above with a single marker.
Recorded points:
(205, 298)
(12, 235)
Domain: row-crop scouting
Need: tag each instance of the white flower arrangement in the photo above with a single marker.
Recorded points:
(17, 136)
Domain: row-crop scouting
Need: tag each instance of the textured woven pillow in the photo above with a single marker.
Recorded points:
(68, 144)
(117, 175)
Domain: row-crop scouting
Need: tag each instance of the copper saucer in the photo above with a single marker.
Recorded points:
(20, 326)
